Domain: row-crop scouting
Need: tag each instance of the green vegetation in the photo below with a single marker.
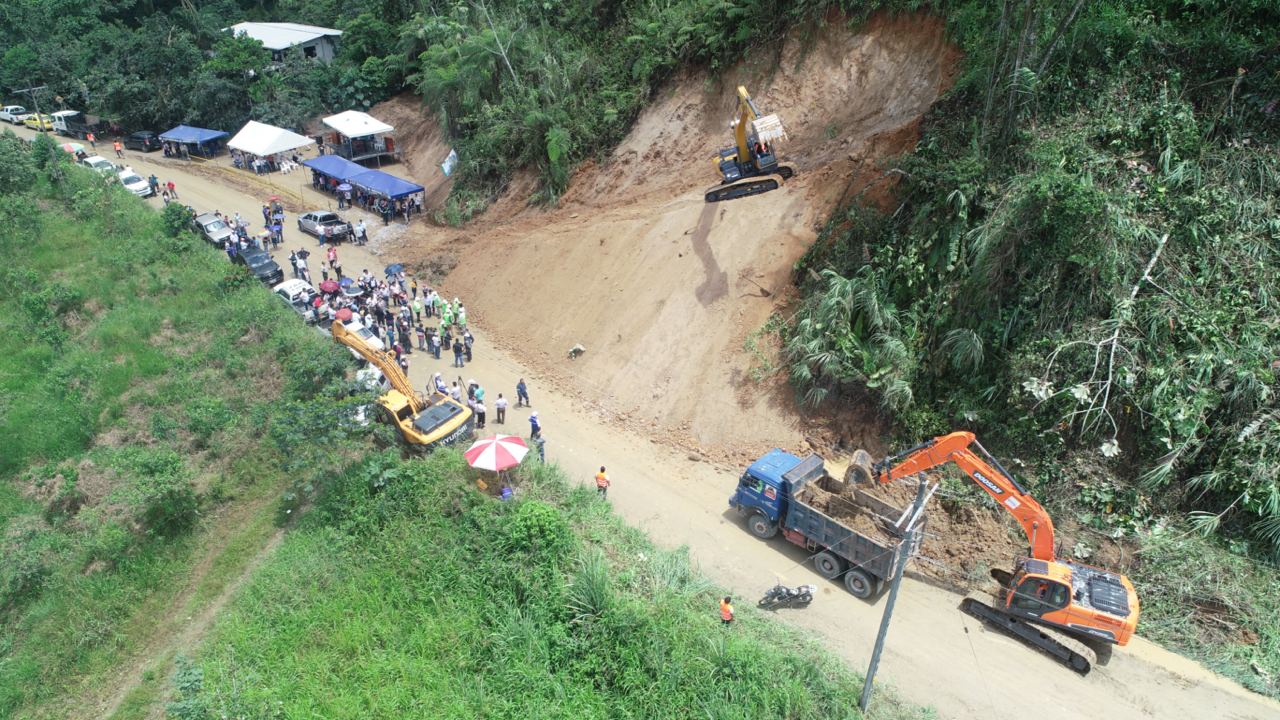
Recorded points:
(131, 418)
(406, 588)
(1082, 272)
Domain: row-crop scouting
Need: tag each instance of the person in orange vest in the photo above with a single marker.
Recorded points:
(602, 483)
(726, 611)
(119, 148)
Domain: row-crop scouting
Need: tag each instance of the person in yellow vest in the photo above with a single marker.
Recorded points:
(602, 483)
(726, 611)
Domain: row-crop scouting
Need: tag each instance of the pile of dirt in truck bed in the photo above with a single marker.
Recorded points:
(859, 518)
(962, 542)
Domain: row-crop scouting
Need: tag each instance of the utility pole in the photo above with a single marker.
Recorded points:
(34, 94)
(909, 536)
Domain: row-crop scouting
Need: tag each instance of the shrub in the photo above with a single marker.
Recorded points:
(539, 528)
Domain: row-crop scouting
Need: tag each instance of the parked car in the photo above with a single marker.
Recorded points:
(299, 295)
(261, 265)
(316, 221)
(145, 140)
(35, 122)
(13, 114)
(134, 183)
(102, 165)
(212, 228)
(369, 338)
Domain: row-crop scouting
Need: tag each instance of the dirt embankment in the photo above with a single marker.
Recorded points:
(664, 290)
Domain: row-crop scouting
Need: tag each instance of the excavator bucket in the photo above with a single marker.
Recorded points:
(859, 471)
(769, 129)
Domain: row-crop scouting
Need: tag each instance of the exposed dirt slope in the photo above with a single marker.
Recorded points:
(422, 143)
(661, 288)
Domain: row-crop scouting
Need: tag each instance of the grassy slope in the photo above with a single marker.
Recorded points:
(122, 377)
(407, 593)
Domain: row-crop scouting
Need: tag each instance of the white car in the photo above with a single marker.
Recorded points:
(134, 183)
(102, 165)
(369, 338)
(14, 114)
(299, 295)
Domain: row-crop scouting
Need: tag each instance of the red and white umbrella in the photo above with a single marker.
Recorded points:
(497, 453)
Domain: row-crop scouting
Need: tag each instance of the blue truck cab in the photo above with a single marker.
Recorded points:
(780, 491)
(764, 491)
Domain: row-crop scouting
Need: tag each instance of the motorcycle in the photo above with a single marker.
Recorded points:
(781, 596)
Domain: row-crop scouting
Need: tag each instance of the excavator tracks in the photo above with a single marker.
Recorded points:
(1066, 649)
(749, 186)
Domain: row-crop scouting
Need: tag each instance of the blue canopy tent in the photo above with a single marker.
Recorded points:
(335, 167)
(376, 182)
(201, 141)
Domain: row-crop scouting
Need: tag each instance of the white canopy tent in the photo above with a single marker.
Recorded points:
(265, 140)
(355, 124)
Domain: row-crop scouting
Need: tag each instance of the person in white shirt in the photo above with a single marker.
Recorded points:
(500, 407)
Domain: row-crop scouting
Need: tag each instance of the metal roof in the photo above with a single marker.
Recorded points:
(279, 36)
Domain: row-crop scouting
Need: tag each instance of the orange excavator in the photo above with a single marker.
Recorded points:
(1046, 602)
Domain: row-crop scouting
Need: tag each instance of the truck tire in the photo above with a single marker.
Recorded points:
(828, 565)
(861, 583)
(761, 526)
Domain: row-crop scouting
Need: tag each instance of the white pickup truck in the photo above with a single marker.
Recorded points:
(13, 113)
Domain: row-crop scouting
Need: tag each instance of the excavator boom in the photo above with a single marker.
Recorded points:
(381, 360)
(986, 472)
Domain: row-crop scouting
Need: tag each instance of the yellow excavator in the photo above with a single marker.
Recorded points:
(750, 166)
(424, 423)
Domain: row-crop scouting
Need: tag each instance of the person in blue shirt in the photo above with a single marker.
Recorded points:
(522, 394)
(535, 427)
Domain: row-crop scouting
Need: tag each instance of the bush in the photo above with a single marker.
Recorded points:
(539, 528)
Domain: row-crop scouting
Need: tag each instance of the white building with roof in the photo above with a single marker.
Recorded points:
(316, 42)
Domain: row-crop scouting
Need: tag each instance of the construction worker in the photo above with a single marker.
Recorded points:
(726, 611)
(602, 483)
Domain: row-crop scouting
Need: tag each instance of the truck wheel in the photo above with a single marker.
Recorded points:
(828, 565)
(761, 526)
(860, 583)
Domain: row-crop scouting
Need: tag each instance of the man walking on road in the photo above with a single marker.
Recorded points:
(535, 427)
(602, 483)
(500, 407)
(173, 190)
(119, 148)
(726, 611)
(522, 394)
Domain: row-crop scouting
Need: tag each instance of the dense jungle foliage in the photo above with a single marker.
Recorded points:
(1084, 261)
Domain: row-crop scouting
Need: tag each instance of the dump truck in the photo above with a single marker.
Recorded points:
(73, 123)
(850, 534)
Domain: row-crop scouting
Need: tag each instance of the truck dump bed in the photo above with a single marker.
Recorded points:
(857, 526)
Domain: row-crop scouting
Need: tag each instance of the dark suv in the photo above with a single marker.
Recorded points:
(261, 265)
(146, 141)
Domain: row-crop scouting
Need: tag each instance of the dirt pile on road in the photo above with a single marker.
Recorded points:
(662, 289)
